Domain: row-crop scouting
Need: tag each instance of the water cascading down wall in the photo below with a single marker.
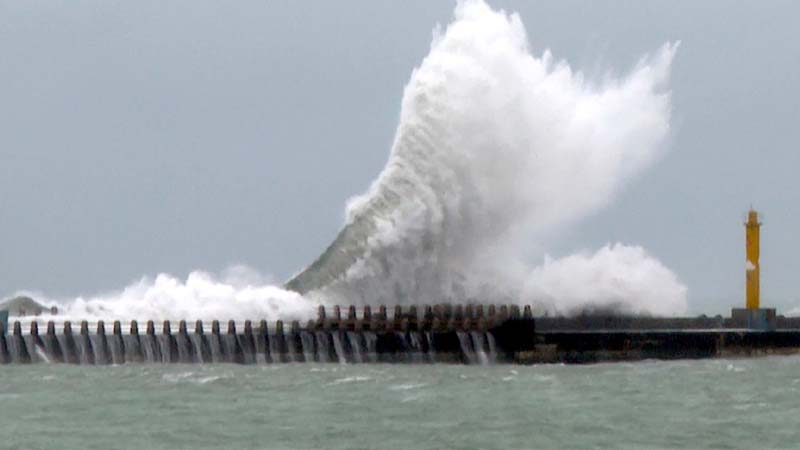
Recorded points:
(471, 334)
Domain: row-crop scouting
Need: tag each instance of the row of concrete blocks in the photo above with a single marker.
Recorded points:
(468, 317)
(437, 318)
(252, 346)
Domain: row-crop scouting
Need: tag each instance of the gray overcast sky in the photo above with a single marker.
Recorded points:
(150, 136)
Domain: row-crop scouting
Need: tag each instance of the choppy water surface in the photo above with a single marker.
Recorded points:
(686, 404)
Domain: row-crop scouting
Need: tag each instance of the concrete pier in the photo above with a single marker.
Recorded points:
(17, 347)
(247, 343)
(215, 344)
(261, 343)
(85, 345)
(168, 344)
(201, 344)
(152, 349)
(116, 343)
(68, 345)
(278, 348)
(294, 343)
(133, 345)
(51, 344)
(102, 352)
(35, 344)
(5, 355)
(234, 350)
(184, 344)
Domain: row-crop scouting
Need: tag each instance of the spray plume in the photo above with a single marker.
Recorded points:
(496, 151)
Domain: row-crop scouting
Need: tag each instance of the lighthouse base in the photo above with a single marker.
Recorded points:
(754, 319)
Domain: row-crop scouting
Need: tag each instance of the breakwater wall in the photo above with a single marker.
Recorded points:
(582, 346)
(463, 334)
(471, 334)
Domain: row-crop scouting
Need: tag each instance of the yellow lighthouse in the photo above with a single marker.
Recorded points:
(753, 316)
(752, 236)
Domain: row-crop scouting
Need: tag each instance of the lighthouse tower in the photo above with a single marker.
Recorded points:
(753, 250)
(753, 316)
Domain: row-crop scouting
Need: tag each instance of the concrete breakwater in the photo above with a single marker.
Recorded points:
(462, 334)
(468, 334)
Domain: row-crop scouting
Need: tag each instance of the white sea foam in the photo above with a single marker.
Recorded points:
(614, 277)
(236, 294)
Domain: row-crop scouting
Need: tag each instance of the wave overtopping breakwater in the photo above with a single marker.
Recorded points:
(497, 151)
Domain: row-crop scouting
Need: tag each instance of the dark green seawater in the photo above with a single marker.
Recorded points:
(748, 403)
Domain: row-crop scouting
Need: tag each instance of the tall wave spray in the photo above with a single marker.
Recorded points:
(496, 150)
